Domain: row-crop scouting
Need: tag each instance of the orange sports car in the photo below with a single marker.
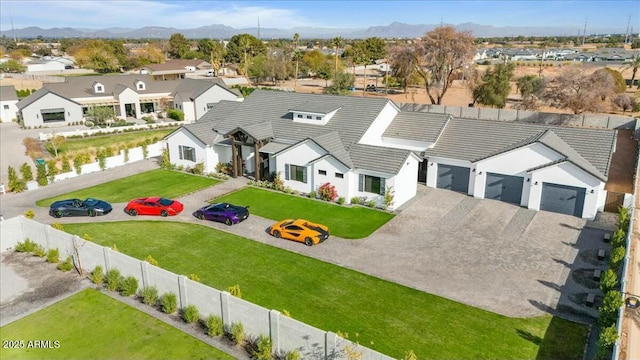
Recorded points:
(300, 230)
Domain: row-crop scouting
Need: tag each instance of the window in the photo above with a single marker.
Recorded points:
(371, 184)
(140, 85)
(300, 116)
(6, 107)
(210, 106)
(340, 175)
(295, 172)
(322, 172)
(187, 153)
(318, 117)
(309, 117)
(51, 115)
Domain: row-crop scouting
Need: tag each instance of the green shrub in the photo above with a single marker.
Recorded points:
(27, 174)
(237, 334)
(618, 238)
(97, 275)
(151, 260)
(26, 247)
(389, 196)
(169, 303)
(341, 200)
(624, 218)
(52, 169)
(53, 256)
(609, 281)
(66, 166)
(29, 214)
(607, 339)
(41, 175)
(66, 265)
(214, 325)
(355, 200)
(175, 114)
(264, 349)
(145, 151)
(608, 312)
(113, 279)
(235, 291)
(39, 251)
(190, 314)
(313, 194)
(617, 257)
(128, 286)
(371, 204)
(149, 295)
(126, 154)
(292, 355)
(166, 161)
(194, 277)
(102, 159)
(409, 355)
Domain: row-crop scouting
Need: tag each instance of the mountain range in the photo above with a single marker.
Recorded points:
(218, 31)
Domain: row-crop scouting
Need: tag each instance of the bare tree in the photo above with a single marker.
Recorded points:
(625, 102)
(55, 142)
(404, 63)
(442, 52)
(578, 91)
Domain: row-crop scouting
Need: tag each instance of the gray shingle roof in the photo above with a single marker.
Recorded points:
(8, 93)
(261, 131)
(201, 130)
(82, 86)
(324, 107)
(332, 143)
(417, 126)
(349, 124)
(472, 140)
(37, 95)
(192, 88)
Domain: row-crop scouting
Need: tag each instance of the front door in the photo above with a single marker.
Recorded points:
(422, 171)
(130, 109)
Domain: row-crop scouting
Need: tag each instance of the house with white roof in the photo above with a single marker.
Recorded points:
(131, 96)
(8, 103)
(366, 146)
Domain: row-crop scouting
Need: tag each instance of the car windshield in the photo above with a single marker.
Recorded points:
(91, 202)
(165, 202)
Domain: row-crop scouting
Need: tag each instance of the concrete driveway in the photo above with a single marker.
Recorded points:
(484, 253)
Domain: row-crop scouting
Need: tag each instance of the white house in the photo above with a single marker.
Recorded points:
(8, 103)
(44, 65)
(130, 96)
(366, 146)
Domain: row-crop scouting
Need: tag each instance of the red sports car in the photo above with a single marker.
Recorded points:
(154, 206)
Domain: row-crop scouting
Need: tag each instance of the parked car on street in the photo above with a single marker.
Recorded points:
(154, 206)
(77, 207)
(223, 212)
(300, 230)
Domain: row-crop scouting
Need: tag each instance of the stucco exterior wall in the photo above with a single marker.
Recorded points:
(299, 155)
(184, 138)
(11, 112)
(32, 117)
(373, 135)
(213, 95)
(129, 96)
(331, 166)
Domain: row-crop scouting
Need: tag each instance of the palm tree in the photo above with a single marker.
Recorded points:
(297, 55)
(296, 38)
(337, 43)
(634, 64)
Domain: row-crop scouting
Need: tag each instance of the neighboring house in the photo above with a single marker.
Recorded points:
(176, 69)
(365, 146)
(44, 65)
(8, 101)
(131, 96)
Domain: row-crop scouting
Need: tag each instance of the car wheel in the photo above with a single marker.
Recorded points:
(308, 241)
(200, 216)
(276, 233)
(92, 213)
(228, 222)
(57, 213)
(133, 212)
(164, 213)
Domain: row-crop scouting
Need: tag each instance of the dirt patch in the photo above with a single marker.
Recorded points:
(29, 283)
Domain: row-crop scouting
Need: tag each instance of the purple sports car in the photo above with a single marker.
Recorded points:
(223, 212)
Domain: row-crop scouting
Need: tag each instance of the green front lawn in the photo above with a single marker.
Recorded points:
(131, 138)
(91, 325)
(159, 182)
(351, 222)
(387, 317)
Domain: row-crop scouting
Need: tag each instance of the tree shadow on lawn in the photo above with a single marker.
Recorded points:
(562, 340)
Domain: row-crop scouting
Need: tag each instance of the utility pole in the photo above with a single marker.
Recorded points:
(626, 35)
(259, 28)
(584, 32)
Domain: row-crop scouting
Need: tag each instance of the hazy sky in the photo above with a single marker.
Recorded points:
(337, 14)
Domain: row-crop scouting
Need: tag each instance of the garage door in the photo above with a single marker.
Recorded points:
(454, 178)
(505, 188)
(562, 199)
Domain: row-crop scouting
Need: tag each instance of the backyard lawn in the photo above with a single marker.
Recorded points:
(132, 138)
(387, 317)
(350, 222)
(159, 182)
(91, 325)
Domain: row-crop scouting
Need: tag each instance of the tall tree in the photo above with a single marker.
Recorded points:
(376, 48)
(634, 64)
(242, 44)
(297, 56)
(576, 90)
(495, 85)
(337, 43)
(442, 52)
(213, 52)
(403, 62)
(314, 59)
(179, 46)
